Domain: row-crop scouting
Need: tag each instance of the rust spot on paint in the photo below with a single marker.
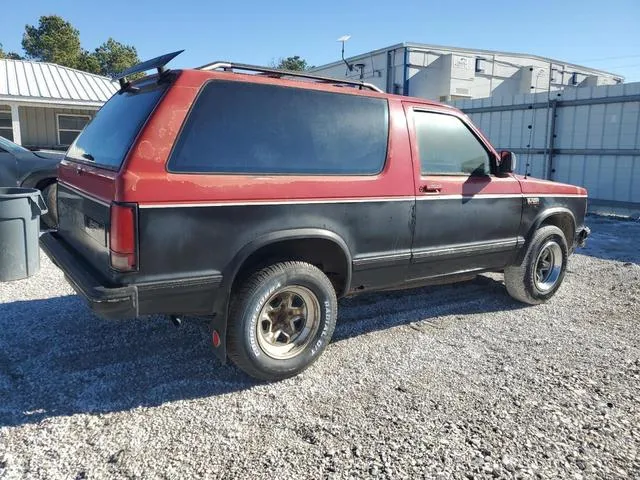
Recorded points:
(145, 150)
(132, 181)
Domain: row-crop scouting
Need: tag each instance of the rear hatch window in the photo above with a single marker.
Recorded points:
(106, 140)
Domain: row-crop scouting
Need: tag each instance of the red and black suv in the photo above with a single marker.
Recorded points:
(257, 199)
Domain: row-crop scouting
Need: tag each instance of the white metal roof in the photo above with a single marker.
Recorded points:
(40, 82)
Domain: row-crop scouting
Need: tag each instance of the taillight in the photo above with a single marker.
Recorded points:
(122, 237)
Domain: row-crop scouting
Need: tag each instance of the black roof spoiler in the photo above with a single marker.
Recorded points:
(158, 62)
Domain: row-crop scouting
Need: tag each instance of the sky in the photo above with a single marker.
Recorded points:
(598, 34)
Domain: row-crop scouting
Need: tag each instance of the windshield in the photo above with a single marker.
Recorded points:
(11, 147)
(108, 137)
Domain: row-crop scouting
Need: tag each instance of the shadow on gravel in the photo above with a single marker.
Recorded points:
(378, 311)
(57, 359)
(613, 238)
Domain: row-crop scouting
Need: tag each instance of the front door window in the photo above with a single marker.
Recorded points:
(447, 147)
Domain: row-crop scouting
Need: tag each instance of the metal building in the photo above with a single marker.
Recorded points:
(44, 105)
(449, 73)
(586, 136)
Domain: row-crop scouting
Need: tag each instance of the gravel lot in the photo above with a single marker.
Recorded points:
(448, 381)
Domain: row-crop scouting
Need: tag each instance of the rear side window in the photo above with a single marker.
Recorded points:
(107, 138)
(447, 146)
(238, 127)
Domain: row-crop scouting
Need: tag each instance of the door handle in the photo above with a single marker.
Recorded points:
(431, 188)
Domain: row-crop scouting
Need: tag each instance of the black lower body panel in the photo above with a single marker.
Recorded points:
(193, 296)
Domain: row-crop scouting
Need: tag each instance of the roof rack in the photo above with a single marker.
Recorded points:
(230, 67)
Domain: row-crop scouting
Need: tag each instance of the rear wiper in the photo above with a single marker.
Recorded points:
(88, 156)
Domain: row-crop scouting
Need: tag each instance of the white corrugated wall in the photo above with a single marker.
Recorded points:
(595, 137)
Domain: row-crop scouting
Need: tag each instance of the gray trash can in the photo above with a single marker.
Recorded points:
(20, 210)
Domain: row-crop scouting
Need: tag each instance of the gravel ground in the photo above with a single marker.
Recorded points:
(448, 381)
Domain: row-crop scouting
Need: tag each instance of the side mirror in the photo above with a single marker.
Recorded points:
(508, 162)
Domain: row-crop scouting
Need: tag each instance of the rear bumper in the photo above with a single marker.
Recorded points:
(183, 296)
(106, 301)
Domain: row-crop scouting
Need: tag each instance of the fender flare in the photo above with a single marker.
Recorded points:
(542, 216)
(537, 221)
(282, 235)
(535, 224)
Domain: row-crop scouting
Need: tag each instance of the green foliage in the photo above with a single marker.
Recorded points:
(56, 40)
(87, 62)
(296, 64)
(9, 55)
(114, 57)
(53, 40)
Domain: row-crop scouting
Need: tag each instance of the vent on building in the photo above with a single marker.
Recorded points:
(463, 91)
(574, 78)
(479, 68)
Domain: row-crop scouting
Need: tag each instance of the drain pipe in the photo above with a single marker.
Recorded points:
(390, 70)
(551, 145)
(405, 67)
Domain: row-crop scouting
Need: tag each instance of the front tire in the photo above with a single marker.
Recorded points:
(281, 320)
(542, 270)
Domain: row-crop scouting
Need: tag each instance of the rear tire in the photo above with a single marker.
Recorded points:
(280, 320)
(542, 270)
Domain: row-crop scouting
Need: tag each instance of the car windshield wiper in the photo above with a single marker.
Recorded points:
(88, 156)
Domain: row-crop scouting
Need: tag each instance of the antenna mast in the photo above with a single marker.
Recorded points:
(343, 39)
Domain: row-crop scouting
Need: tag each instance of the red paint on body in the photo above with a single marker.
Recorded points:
(143, 177)
(545, 187)
(97, 182)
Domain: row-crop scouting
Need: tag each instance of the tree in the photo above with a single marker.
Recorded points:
(296, 64)
(53, 40)
(114, 57)
(9, 55)
(87, 62)
(56, 40)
